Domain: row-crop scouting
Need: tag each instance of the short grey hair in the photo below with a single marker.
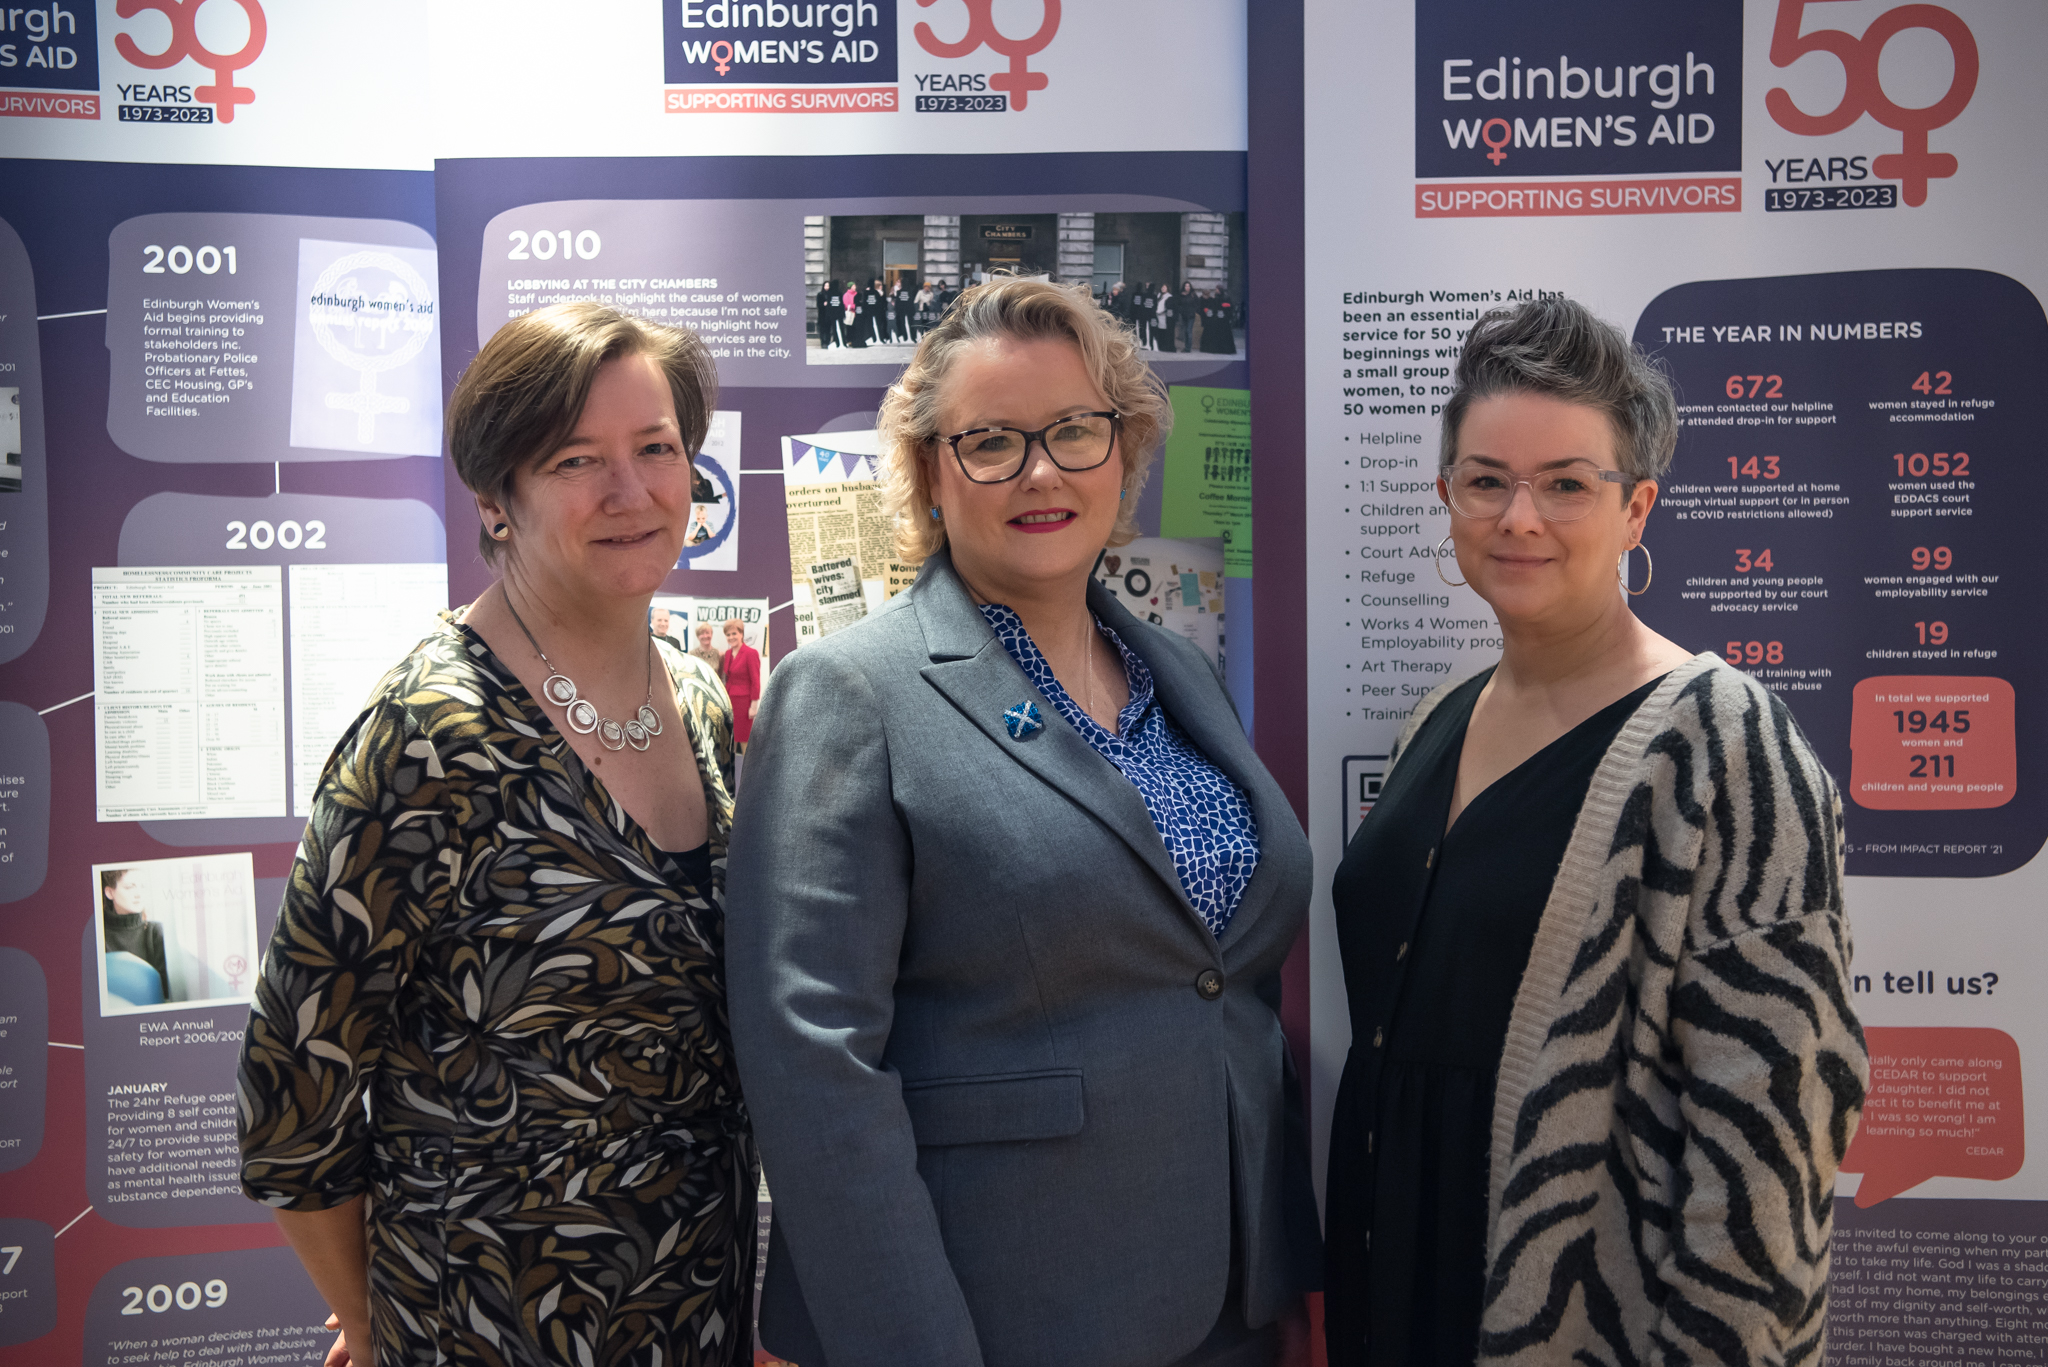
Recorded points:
(1557, 347)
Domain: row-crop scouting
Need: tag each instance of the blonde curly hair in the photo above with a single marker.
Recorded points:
(1022, 310)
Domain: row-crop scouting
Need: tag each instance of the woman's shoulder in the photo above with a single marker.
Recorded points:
(1717, 730)
(1706, 693)
(450, 686)
(452, 660)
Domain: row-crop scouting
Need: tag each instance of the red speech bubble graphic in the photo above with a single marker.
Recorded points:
(1944, 1102)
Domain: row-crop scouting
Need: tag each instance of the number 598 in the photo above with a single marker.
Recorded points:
(1756, 652)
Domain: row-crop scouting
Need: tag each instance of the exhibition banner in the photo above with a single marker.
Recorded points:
(220, 358)
(1810, 214)
(246, 250)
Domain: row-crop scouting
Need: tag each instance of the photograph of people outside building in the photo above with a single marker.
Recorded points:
(875, 283)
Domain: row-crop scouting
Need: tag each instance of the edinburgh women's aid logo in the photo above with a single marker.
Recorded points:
(1578, 88)
(718, 42)
(185, 42)
(1564, 107)
(49, 61)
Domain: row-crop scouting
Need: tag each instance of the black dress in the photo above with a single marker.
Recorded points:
(138, 935)
(1435, 928)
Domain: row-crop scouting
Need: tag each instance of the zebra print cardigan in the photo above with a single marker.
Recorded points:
(1683, 1070)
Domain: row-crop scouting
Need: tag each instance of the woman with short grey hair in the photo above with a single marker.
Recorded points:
(1009, 903)
(1603, 1063)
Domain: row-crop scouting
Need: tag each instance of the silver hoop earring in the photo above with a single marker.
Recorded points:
(1649, 570)
(935, 512)
(1437, 561)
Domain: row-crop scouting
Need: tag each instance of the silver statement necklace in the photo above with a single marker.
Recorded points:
(581, 714)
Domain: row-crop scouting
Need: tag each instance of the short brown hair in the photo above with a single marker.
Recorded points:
(1024, 310)
(1557, 347)
(523, 395)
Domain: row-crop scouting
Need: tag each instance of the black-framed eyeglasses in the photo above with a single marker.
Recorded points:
(1561, 495)
(1077, 442)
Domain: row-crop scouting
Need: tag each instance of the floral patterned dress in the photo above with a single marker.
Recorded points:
(494, 1007)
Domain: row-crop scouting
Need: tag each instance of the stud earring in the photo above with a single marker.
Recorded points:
(500, 532)
(935, 512)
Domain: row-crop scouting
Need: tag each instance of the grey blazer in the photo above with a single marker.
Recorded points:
(1008, 1088)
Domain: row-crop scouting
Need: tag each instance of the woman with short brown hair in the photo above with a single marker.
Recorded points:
(504, 927)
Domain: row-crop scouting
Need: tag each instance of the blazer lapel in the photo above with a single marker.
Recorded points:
(1195, 702)
(972, 670)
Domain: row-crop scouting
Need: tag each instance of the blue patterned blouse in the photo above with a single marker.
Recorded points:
(1204, 818)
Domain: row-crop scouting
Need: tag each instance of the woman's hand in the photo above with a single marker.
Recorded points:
(335, 1250)
(753, 709)
(340, 1356)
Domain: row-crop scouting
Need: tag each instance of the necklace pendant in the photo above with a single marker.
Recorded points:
(650, 720)
(582, 717)
(559, 689)
(611, 734)
(636, 735)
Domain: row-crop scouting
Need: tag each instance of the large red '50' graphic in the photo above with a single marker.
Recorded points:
(1862, 93)
(224, 94)
(1019, 81)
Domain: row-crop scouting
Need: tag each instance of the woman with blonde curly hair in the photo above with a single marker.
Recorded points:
(1007, 911)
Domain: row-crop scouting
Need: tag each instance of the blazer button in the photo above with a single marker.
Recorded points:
(1210, 984)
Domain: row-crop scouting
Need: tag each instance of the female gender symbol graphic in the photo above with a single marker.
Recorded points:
(184, 17)
(1019, 81)
(404, 297)
(1863, 92)
(1507, 134)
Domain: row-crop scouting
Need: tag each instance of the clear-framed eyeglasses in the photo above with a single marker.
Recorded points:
(1077, 442)
(1565, 494)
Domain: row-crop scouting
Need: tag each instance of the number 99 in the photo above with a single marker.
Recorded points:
(1756, 652)
(1938, 558)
